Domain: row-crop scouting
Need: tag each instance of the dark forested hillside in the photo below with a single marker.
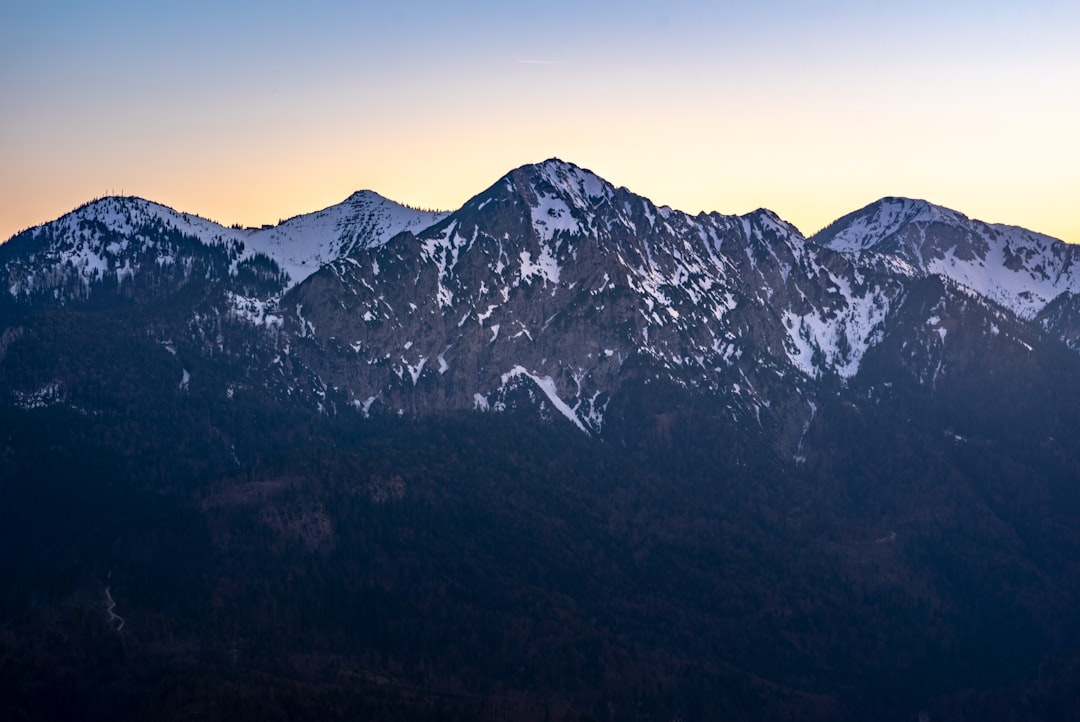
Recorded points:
(480, 567)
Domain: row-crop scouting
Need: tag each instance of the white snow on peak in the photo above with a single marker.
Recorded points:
(1019, 269)
(768, 221)
(583, 187)
(565, 197)
(123, 216)
(106, 237)
(551, 215)
(870, 227)
(95, 237)
(301, 245)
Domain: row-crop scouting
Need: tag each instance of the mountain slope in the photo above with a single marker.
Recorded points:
(301, 245)
(555, 279)
(113, 240)
(1021, 270)
(551, 289)
(559, 454)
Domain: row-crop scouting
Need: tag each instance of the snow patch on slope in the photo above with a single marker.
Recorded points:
(547, 385)
(545, 267)
(552, 215)
(835, 340)
(253, 310)
(1022, 271)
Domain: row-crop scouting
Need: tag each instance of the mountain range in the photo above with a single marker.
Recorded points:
(555, 282)
(774, 437)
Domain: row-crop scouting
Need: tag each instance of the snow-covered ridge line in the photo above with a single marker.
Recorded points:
(106, 228)
(696, 282)
(586, 289)
(1016, 268)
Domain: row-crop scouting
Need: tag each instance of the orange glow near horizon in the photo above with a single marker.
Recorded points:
(254, 194)
(812, 110)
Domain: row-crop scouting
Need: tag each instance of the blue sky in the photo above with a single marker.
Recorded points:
(250, 112)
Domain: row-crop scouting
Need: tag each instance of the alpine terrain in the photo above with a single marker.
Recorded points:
(560, 453)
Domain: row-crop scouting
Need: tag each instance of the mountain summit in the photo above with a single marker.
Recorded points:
(1019, 269)
(552, 288)
(557, 281)
(559, 453)
(109, 240)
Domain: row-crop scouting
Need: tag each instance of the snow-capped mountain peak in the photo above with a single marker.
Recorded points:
(108, 240)
(556, 285)
(583, 186)
(563, 198)
(125, 215)
(303, 244)
(114, 238)
(875, 227)
(1019, 269)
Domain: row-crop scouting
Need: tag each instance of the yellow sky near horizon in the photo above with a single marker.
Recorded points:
(250, 115)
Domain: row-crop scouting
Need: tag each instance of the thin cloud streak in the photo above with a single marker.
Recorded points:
(537, 62)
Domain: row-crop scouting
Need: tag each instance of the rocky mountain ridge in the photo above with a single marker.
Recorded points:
(105, 240)
(557, 290)
(561, 453)
(1019, 269)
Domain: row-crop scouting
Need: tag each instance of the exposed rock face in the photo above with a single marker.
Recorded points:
(555, 280)
(555, 289)
(838, 471)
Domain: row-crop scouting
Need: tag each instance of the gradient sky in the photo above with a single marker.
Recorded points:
(256, 111)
